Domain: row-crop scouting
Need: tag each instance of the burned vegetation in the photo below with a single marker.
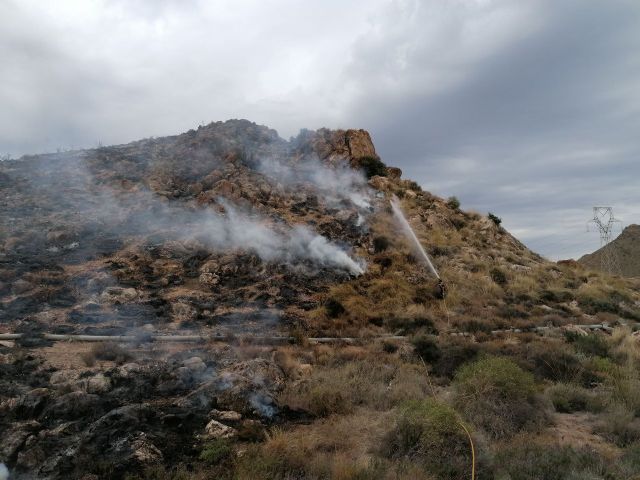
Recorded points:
(247, 307)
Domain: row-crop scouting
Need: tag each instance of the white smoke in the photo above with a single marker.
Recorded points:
(333, 183)
(237, 230)
(4, 472)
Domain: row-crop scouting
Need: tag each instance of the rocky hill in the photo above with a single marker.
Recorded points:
(624, 250)
(321, 330)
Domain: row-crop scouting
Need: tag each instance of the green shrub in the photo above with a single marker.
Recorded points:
(556, 362)
(591, 345)
(216, 451)
(527, 460)
(498, 396)
(556, 296)
(453, 203)
(429, 432)
(569, 398)
(619, 425)
(498, 276)
(372, 166)
(496, 220)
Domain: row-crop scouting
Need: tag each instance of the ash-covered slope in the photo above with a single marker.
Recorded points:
(172, 230)
(624, 250)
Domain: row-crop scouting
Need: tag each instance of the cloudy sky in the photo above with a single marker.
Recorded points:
(528, 109)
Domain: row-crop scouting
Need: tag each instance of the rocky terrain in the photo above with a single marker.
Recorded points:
(625, 250)
(260, 246)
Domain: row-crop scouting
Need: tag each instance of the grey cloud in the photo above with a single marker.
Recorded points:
(526, 109)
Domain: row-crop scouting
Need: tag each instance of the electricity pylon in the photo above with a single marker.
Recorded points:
(604, 220)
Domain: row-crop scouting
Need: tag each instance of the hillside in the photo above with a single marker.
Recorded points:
(261, 246)
(625, 250)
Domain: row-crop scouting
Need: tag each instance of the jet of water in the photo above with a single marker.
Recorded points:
(422, 255)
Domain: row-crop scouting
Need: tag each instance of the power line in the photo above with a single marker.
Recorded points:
(604, 220)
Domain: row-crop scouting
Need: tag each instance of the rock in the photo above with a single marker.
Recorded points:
(144, 451)
(62, 379)
(32, 403)
(14, 437)
(98, 384)
(74, 405)
(195, 364)
(215, 429)
(129, 369)
(118, 295)
(380, 183)
(183, 312)
(21, 286)
(575, 329)
(225, 415)
(360, 144)
(208, 279)
(394, 173)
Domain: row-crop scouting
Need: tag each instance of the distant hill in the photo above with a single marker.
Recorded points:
(625, 248)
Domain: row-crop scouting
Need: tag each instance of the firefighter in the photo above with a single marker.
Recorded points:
(441, 289)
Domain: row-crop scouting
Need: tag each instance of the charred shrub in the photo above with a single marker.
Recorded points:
(426, 348)
(373, 166)
(334, 308)
(428, 431)
(498, 396)
(380, 244)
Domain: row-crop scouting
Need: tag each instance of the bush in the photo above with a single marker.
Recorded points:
(429, 432)
(380, 244)
(334, 308)
(568, 398)
(619, 426)
(498, 276)
(339, 389)
(591, 345)
(372, 166)
(426, 348)
(497, 395)
(527, 460)
(454, 352)
(216, 451)
(453, 203)
(496, 220)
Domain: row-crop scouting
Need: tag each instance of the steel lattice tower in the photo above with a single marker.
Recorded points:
(604, 220)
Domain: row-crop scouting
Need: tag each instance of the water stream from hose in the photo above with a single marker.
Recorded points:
(419, 250)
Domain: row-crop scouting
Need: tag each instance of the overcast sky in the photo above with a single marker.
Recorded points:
(527, 109)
